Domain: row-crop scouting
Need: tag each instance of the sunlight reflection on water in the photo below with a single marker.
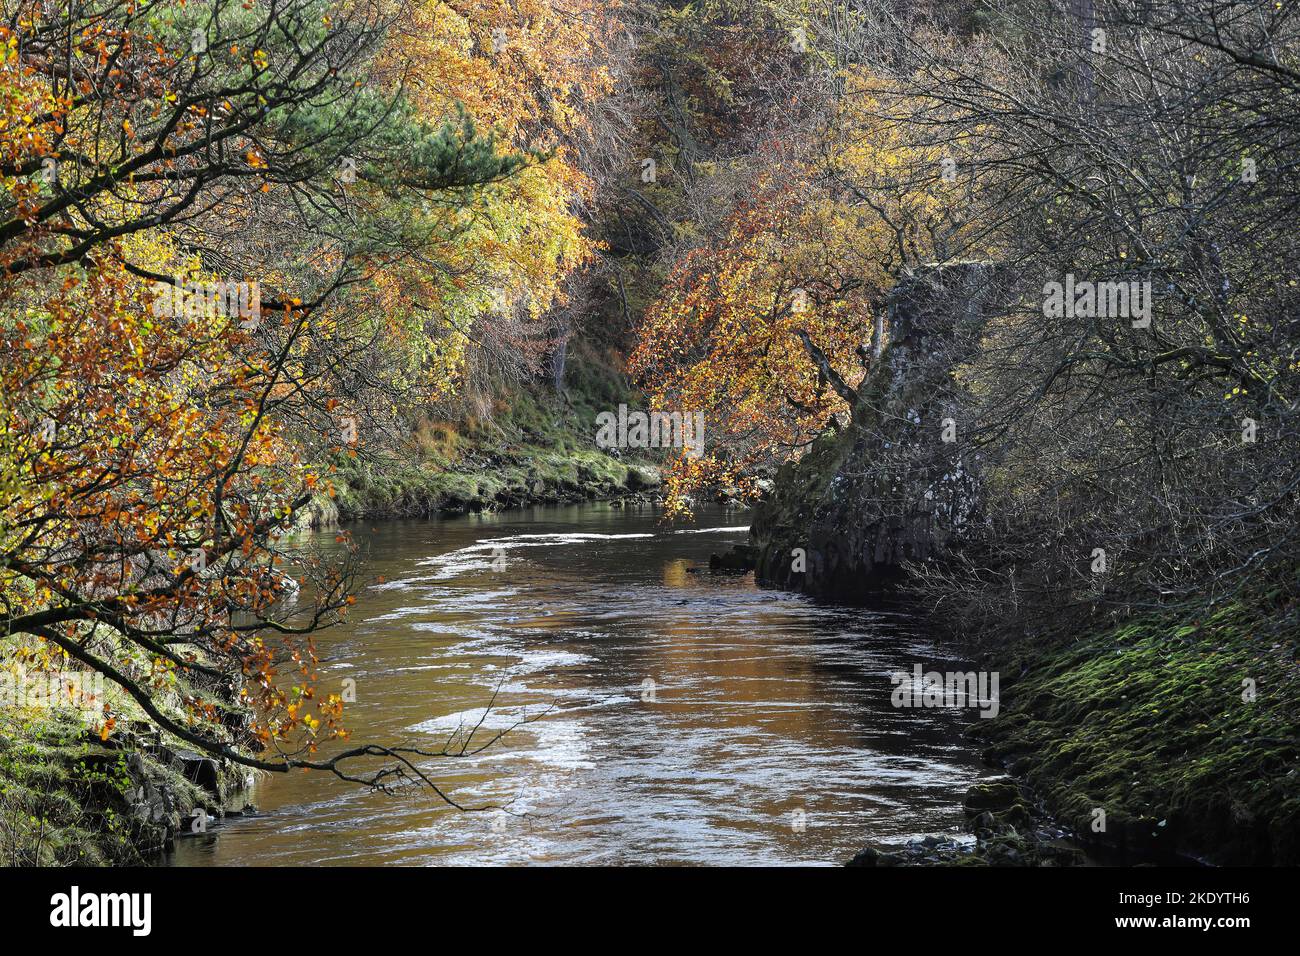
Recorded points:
(764, 704)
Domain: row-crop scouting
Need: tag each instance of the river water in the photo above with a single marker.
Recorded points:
(682, 718)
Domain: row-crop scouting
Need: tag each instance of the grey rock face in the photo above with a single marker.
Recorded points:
(900, 482)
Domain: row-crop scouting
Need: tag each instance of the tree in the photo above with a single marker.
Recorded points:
(768, 328)
(1136, 154)
(209, 263)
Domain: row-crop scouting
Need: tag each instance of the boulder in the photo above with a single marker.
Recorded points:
(993, 795)
(873, 857)
(643, 478)
(739, 560)
(200, 770)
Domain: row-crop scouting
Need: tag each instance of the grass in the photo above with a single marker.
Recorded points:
(1155, 723)
(536, 447)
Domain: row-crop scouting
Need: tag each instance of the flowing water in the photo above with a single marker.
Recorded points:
(681, 717)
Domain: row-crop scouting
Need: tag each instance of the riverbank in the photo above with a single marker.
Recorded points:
(1165, 739)
(71, 797)
(537, 448)
(1166, 736)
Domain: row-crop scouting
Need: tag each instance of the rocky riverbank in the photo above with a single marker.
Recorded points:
(887, 487)
(71, 798)
(537, 448)
(1159, 735)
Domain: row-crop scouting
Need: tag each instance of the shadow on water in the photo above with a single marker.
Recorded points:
(695, 718)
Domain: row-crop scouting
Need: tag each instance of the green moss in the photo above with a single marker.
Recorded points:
(69, 799)
(57, 794)
(1153, 723)
(537, 447)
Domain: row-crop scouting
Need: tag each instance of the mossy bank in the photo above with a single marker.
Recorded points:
(534, 446)
(1164, 739)
(68, 798)
(1167, 736)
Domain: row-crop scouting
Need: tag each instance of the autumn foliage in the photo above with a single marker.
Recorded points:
(762, 326)
(389, 185)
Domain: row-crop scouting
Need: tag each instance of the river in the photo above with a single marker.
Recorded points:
(688, 718)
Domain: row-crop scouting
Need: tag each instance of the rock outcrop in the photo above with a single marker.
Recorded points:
(901, 480)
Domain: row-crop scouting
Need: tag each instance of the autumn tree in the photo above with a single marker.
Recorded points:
(766, 325)
(221, 227)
